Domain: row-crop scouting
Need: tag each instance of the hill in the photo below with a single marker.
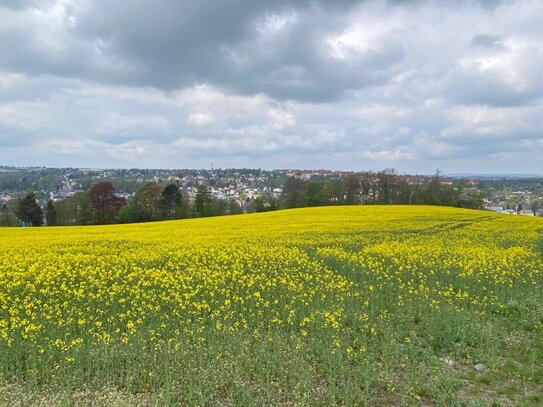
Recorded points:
(361, 305)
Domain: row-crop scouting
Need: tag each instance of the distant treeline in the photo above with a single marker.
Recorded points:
(100, 205)
(153, 202)
(384, 187)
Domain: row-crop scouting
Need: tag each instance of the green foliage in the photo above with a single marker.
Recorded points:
(50, 213)
(29, 212)
(384, 187)
(265, 203)
(535, 205)
(234, 208)
(315, 194)
(182, 211)
(174, 203)
(337, 192)
(219, 207)
(203, 202)
(148, 202)
(7, 217)
(152, 203)
(469, 198)
(170, 201)
(293, 193)
(352, 190)
(31, 179)
(73, 210)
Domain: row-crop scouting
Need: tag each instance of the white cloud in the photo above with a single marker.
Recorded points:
(367, 84)
(201, 119)
(281, 119)
(490, 122)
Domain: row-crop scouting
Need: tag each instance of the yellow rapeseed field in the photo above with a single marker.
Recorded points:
(336, 299)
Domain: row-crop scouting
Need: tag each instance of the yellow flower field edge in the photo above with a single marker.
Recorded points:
(362, 305)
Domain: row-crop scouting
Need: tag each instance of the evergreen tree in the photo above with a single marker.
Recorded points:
(202, 201)
(170, 201)
(29, 212)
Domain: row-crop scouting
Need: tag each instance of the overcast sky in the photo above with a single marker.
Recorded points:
(415, 85)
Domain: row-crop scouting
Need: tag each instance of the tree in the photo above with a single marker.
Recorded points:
(234, 208)
(337, 192)
(293, 192)
(202, 202)
(50, 213)
(183, 210)
(73, 210)
(314, 195)
(367, 185)
(7, 218)
(535, 204)
(469, 198)
(385, 183)
(170, 201)
(265, 203)
(326, 193)
(81, 208)
(218, 207)
(29, 212)
(66, 214)
(147, 205)
(104, 204)
(406, 193)
(352, 189)
(433, 190)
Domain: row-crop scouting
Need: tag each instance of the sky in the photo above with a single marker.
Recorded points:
(352, 85)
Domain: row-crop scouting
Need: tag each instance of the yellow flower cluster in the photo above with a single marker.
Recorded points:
(306, 272)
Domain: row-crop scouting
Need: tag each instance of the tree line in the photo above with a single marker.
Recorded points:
(153, 202)
(384, 187)
(100, 205)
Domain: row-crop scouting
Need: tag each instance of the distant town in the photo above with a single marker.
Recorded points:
(243, 188)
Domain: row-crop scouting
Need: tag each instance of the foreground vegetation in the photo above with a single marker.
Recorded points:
(361, 305)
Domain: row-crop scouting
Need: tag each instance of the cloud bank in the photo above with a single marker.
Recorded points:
(415, 85)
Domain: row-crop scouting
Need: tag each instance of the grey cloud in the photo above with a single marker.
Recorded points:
(472, 88)
(503, 77)
(487, 41)
(18, 4)
(254, 83)
(171, 45)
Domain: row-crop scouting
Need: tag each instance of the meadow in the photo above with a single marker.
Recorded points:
(360, 305)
